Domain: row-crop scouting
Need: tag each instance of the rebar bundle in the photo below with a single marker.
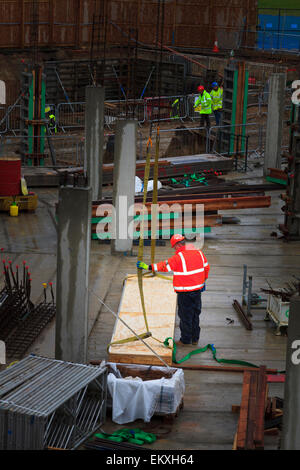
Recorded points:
(20, 320)
(50, 403)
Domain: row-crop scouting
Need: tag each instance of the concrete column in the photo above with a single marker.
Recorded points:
(124, 183)
(73, 253)
(274, 121)
(291, 410)
(94, 138)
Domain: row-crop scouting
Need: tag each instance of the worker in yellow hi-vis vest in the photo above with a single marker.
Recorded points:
(217, 101)
(175, 109)
(202, 105)
(52, 120)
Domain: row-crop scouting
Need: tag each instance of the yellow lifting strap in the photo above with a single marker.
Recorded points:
(141, 249)
(154, 198)
(153, 236)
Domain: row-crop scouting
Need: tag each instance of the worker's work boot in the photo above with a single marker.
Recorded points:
(180, 343)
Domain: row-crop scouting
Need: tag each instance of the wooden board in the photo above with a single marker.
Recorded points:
(160, 304)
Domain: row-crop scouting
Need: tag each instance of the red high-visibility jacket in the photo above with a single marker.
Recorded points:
(190, 269)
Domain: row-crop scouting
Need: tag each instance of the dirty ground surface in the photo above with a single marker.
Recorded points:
(206, 421)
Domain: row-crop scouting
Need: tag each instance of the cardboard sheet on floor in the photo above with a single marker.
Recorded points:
(160, 303)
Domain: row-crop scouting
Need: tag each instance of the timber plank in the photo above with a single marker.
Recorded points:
(160, 304)
(243, 418)
(251, 425)
(260, 408)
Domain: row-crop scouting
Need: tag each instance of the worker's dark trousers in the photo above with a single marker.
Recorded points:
(189, 309)
(218, 114)
(204, 118)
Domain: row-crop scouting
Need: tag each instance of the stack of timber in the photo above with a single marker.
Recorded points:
(176, 166)
(167, 168)
(251, 424)
(277, 176)
(160, 316)
(195, 200)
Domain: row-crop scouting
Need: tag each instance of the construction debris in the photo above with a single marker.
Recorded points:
(284, 293)
(238, 308)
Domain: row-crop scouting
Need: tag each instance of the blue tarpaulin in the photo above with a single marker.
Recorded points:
(278, 32)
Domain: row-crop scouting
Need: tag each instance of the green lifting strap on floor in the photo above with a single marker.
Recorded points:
(200, 350)
(134, 436)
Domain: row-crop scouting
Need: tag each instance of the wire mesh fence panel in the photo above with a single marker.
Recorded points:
(55, 150)
(69, 150)
(3, 119)
(70, 115)
(182, 141)
(164, 108)
(257, 103)
(123, 109)
(224, 139)
(14, 119)
(190, 105)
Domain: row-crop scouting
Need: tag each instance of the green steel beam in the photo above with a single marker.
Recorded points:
(233, 116)
(245, 104)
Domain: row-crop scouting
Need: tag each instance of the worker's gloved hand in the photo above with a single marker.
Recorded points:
(142, 265)
(203, 288)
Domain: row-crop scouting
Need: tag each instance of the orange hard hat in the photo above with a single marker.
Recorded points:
(175, 239)
(200, 88)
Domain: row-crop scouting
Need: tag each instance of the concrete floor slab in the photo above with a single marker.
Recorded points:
(206, 422)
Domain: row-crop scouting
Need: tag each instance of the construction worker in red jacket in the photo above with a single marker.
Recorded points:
(190, 271)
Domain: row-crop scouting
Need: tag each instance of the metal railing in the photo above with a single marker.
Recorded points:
(255, 132)
(71, 116)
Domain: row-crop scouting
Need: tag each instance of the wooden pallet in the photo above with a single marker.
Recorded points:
(25, 203)
(160, 303)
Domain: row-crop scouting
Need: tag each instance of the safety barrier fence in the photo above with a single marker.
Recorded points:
(68, 150)
(11, 120)
(256, 133)
(71, 116)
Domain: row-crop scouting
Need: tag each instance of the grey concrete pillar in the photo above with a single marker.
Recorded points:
(124, 183)
(94, 138)
(73, 253)
(291, 410)
(274, 121)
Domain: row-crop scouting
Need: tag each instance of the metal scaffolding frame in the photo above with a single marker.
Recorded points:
(49, 403)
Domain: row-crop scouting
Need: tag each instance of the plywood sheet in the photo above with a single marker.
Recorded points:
(160, 303)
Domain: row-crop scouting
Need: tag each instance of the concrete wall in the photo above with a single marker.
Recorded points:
(73, 252)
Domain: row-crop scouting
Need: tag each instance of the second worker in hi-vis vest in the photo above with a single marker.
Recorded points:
(217, 101)
(190, 271)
